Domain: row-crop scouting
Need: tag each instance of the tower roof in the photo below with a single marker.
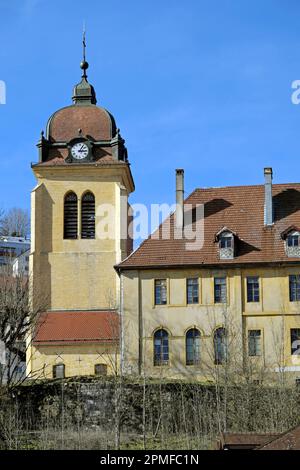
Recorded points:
(82, 121)
(94, 121)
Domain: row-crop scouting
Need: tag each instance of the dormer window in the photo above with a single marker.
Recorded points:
(225, 239)
(291, 238)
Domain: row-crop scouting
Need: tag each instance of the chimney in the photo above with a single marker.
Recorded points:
(268, 172)
(179, 199)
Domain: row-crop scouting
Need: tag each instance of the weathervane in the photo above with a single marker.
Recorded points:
(84, 64)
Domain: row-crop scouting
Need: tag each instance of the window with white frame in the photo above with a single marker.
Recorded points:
(252, 289)
(160, 292)
(226, 245)
(294, 281)
(192, 345)
(254, 342)
(220, 290)
(292, 244)
(192, 290)
(161, 348)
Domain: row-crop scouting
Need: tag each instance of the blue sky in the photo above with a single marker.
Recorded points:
(196, 84)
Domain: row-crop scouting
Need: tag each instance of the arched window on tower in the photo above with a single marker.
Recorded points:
(70, 216)
(88, 215)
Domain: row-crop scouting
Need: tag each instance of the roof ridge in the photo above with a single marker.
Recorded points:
(243, 186)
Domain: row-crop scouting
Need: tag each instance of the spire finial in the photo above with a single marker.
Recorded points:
(84, 64)
(84, 93)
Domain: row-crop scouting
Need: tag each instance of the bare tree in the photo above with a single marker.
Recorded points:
(17, 322)
(15, 222)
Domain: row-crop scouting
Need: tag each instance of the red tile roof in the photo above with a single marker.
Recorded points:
(242, 209)
(289, 440)
(230, 440)
(71, 327)
(94, 121)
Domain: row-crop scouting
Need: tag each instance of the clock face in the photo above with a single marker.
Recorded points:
(79, 151)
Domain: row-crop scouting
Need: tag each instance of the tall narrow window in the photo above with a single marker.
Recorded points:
(192, 291)
(220, 291)
(294, 287)
(295, 341)
(220, 346)
(88, 215)
(160, 292)
(70, 216)
(254, 342)
(161, 348)
(192, 345)
(252, 289)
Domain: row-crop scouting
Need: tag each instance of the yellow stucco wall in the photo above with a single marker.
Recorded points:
(76, 274)
(274, 315)
(78, 359)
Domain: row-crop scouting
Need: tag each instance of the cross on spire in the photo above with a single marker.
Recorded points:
(84, 64)
(83, 41)
(84, 93)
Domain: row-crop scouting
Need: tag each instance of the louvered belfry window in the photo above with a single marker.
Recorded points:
(88, 216)
(70, 216)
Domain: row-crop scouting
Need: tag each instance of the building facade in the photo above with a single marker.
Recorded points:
(231, 304)
(11, 248)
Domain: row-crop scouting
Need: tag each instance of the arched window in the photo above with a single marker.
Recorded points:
(192, 347)
(88, 215)
(220, 346)
(70, 215)
(161, 348)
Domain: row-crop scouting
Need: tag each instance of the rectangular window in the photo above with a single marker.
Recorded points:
(294, 287)
(160, 292)
(226, 242)
(220, 290)
(59, 371)
(295, 341)
(253, 289)
(192, 291)
(293, 240)
(100, 369)
(254, 342)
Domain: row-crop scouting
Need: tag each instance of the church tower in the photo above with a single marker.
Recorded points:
(79, 230)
